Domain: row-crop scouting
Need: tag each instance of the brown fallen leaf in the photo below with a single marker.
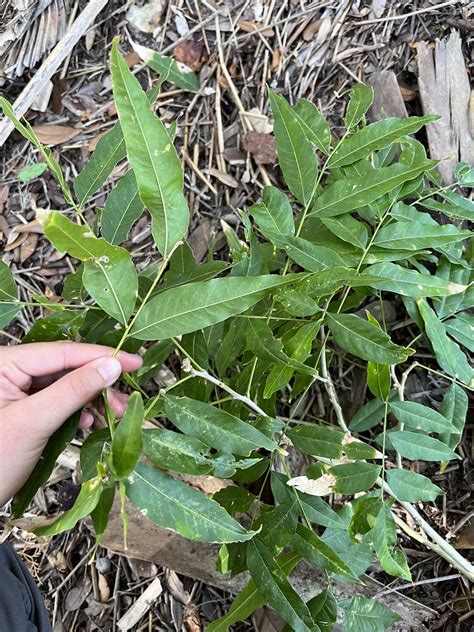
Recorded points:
(192, 622)
(225, 178)
(15, 241)
(249, 27)
(465, 539)
(104, 589)
(30, 227)
(192, 53)
(28, 247)
(55, 134)
(261, 146)
(4, 191)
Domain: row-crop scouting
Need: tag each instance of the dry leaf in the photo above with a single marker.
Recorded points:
(4, 191)
(176, 588)
(15, 240)
(30, 227)
(199, 239)
(104, 589)
(465, 539)
(259, 121)
(191, 53)
(321, 486)
(55, 134)
(193, 623)
(250, 27)
(225, 178)
(76, 597)
(262, 147)
(28, 247)
(142, 568)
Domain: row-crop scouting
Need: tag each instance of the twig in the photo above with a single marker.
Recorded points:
(329, 384)
(51, 64)
(188, 368)
(421, 582)
(391, 18)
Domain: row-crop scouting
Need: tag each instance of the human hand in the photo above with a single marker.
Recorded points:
(41, 385)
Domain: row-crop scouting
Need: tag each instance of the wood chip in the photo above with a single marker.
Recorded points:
(141, 606)
(445, 90)
(388, 100)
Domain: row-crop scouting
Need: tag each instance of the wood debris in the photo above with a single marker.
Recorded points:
(445, 90)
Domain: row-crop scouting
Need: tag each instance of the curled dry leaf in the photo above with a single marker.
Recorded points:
(55, 134)
(225, 178)
(250, 27)
(261, 146)
(192, 53)
(321, 486)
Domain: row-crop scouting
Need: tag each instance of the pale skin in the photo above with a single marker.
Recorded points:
(41, 385)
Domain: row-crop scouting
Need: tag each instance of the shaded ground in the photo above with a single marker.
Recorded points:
(315, 50)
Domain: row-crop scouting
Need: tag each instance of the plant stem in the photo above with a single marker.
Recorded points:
(156, 280)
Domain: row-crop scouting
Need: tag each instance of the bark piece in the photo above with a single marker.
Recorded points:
(445, 90)
(148, 541)
(141, 606)
(388, 99)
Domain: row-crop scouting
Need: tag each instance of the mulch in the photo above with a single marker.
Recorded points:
(315, 50)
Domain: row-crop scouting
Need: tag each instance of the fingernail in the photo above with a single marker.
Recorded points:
(110, 369)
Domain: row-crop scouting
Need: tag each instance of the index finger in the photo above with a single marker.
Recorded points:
(38, 359)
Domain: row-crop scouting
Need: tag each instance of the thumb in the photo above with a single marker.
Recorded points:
(49, 408)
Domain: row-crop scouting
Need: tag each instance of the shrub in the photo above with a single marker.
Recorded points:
(258, 334)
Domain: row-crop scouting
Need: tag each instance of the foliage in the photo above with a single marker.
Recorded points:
(261, 332)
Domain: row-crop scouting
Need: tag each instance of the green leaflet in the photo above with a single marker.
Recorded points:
(274, 215)
(378, 379)
(91, 452)
(122, 208)
(323, 441)
(262, 343)
(312, 548)
(299, 347)
(365, 340)
(276, 527)
(412, 487)
(235, 500)
(100, 515)
(454, 407)
(461, 327)
(174, 505)
(323, 609)
(169, 69)
(369, 415)
(45, 465)
(360, 101)
(295, 153)
(400, 280)
(352, 193)
(384, 535)
(366, 615)
(312, 507)
(127, 441)
(420, 417)
(8, 296)
(178, 452)
(414, 446)
(354, 477)
(348, 229)
(215, 427)
(109, 151)
(188, 308)
(310, 256)
(275, 587)
(153, 158)
(31, 172)
(109, 275)
(376, 136)
(314, 124)
(417, 235)
(85, 503)
(27, 132)
(448, 354)
(249, 599)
